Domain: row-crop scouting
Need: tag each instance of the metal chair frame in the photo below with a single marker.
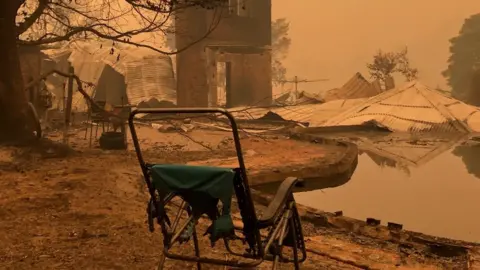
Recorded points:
(281, 217)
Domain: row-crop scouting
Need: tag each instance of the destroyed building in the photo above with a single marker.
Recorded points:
(239, 36)
(31, 61)
(33, 64)
(117, 75)
(411, 108)
(356, 87)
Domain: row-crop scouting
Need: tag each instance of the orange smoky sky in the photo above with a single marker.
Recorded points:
(335, 39)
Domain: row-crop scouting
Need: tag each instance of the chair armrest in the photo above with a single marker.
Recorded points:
(279, 201)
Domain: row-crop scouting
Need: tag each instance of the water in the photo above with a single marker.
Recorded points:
(425, 188)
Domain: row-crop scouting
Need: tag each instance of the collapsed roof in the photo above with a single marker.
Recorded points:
(132, 75)
(414, 107)
(356, 87)
(313, 114)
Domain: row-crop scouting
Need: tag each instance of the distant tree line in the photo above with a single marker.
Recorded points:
(463, 72)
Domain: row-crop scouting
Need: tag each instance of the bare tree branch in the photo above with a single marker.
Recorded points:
(120, 37)
(61, 21)
(168, 6)
(30, 20)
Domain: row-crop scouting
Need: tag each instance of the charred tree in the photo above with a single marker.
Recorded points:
(46, 22)
(13, 102)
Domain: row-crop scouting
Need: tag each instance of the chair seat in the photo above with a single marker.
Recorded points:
(189, 177)
(202, 187)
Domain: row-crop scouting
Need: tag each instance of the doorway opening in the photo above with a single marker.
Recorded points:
(223, 84)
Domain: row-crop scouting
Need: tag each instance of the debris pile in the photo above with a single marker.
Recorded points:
(413, 107)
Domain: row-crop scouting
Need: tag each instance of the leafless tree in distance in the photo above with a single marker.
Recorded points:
(385, 64)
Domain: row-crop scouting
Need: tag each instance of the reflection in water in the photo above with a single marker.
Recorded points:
(386, 162)
(422, 185)
(470, 155)
(310, 184)
(379, 160)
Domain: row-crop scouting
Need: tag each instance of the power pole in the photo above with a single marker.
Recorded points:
(296, 81)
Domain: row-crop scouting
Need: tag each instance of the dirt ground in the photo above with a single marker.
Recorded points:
(85, 208)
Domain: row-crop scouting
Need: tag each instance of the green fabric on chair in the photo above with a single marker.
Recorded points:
(202, 187)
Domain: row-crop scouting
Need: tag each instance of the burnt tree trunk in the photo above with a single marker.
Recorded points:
(13, 100)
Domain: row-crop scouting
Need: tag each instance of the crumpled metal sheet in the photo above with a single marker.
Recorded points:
(412, 108)
(314, 114)
(356, 87)
(146, 75)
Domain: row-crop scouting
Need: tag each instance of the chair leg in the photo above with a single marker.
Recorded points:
(197, 247)
(86, 126)
(96, 130)
(91, 134)
(161, 263)
(299, 234)
(277, 256)
(295, 244)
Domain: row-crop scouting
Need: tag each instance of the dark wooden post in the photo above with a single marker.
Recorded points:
(68, 105)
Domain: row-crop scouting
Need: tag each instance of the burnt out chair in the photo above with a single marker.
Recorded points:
(195, 192)
(122, 112)
(95, 119)
(116, 136)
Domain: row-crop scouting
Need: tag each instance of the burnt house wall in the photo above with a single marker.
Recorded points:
(251, 81)
(31, 59)
(31, 64)
(249, 26)
(190, 25)
(250, 72)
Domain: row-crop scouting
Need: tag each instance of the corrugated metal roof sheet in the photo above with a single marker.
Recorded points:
(88, 71)
(115, 56)
(356, 87)
(314, 114)
(150, 78)
(413, 107)
(283, 98)
(148, 75)
(55, 82)
(59, 56)
(304, 98)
